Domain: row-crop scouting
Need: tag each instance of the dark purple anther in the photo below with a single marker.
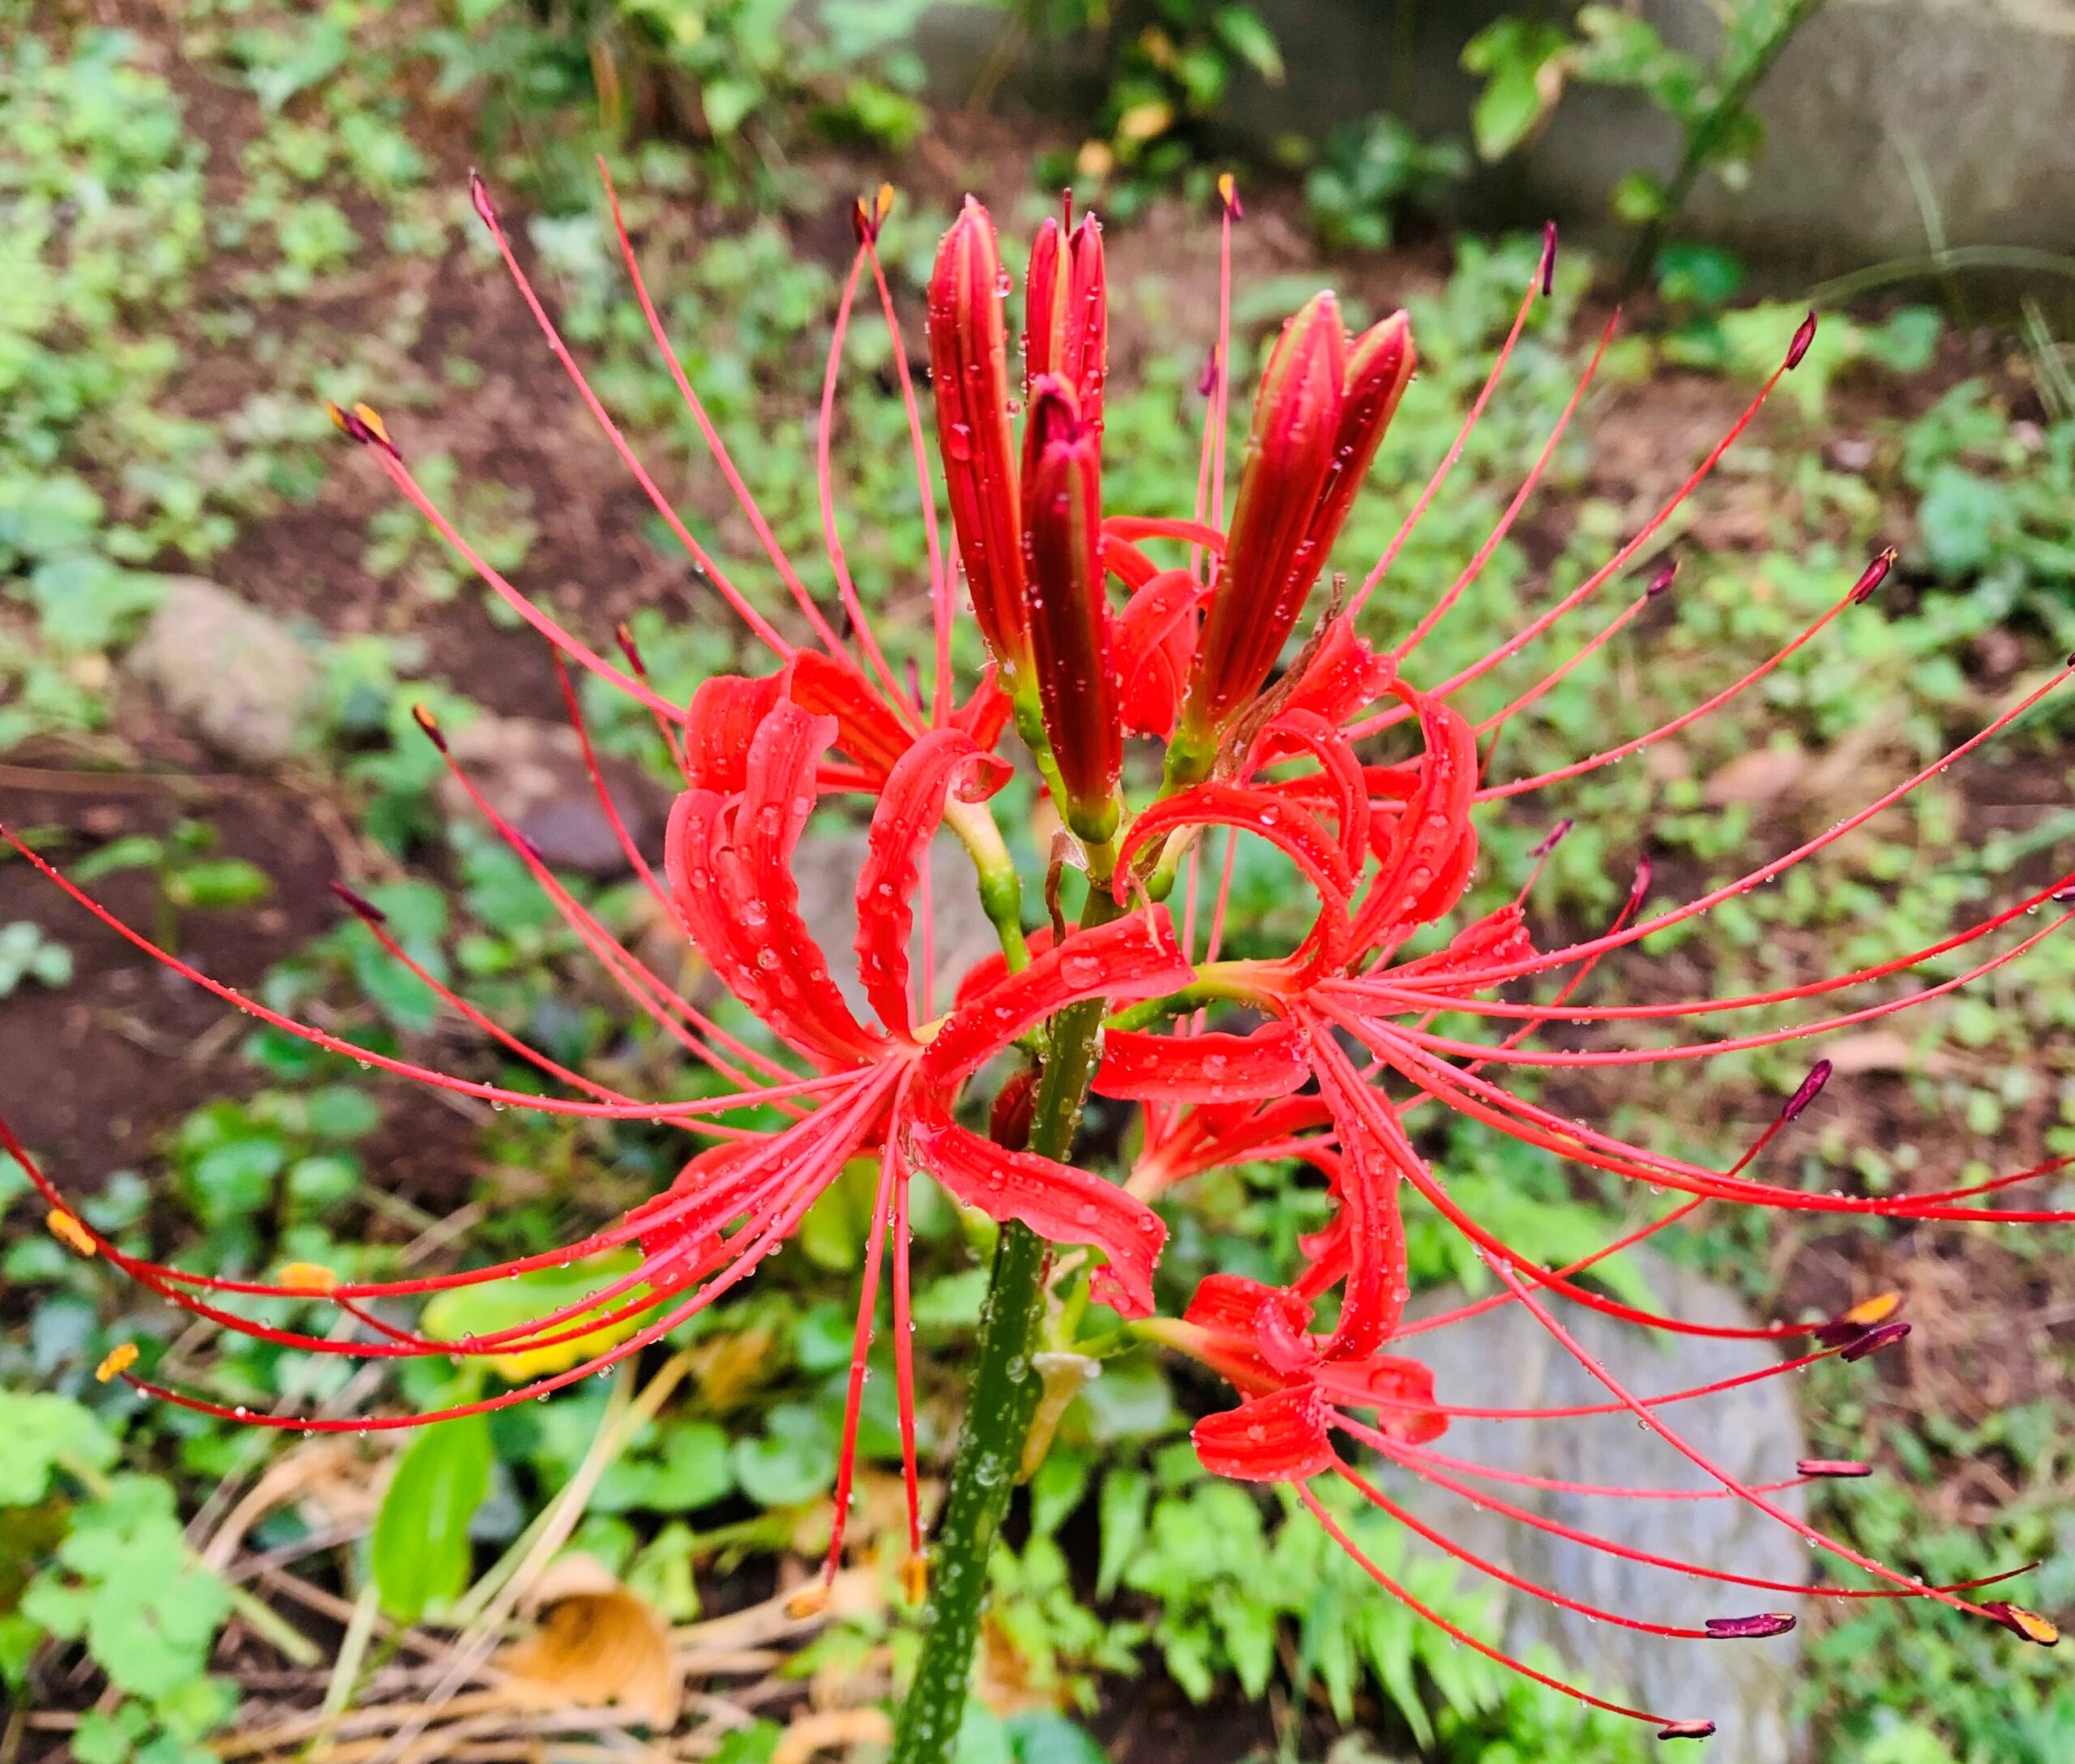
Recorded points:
(1883, 1335)
(1548, 259)
(1811, 1087)
(1207, 380)
(1839, 1467)
(1552, 839)
(1641, 885)
(430, 724)
(479, 194)
(1755, 1628)
(1877, 573)
(1662, 580)
(1802, 338)
(361, 904)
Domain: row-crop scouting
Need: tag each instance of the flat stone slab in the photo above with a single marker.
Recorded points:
(1506, 1359)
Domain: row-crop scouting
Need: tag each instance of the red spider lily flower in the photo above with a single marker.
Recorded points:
(1346, 1052)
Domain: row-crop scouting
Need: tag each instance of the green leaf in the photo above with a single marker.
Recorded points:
(217, 883)
(792, 1462)
(1523, 70)
(1244, 33)
(1126, 1499)
(420, 1552)
(42, 1430)
(126, 1583)
(497, 1306)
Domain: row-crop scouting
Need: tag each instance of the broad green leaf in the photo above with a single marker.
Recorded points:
(44, 1432)
(420, 1552)
(464, 1312)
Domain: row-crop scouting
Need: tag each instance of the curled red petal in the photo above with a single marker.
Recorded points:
(728, 864)
(1155, 637)
(1280, 1438)
(720, 726)
(866, 729)
(1272, 1061)
(1427, 869)
(1400, 1391)
(1293, 830)
(1060, 1204)
(1129, 958)
(910, 807)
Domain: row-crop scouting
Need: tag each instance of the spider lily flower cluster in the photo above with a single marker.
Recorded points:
(1349, 759)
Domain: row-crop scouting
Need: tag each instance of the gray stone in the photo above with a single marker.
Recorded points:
(827, 868)
(232, 673)
(533, 774)
(1506, 1359)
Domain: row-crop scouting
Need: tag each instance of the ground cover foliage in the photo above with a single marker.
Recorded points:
(222, 217)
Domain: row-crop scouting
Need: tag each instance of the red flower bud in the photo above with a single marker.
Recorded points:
(1317, 419)
(1067, 617)
(1269, 560)
(969, 373)
(1067, 326)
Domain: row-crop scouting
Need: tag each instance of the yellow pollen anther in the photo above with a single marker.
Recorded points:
(308, 1277)
(881, 204)
(120, 1359)
(1877, 1309)
(1227, 190)
(809, 1601)
(2032, 1626)
(915, 1577)
(67, 1228)
(369, 415)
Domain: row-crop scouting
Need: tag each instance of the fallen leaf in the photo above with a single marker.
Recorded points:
(596, 1645)
(1875, 1050)
(1764, 775)
(825, 1729)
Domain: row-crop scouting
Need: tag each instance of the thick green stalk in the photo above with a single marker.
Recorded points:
(1004, 1398)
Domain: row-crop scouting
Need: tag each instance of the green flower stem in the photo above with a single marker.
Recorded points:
(1004, 1398)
